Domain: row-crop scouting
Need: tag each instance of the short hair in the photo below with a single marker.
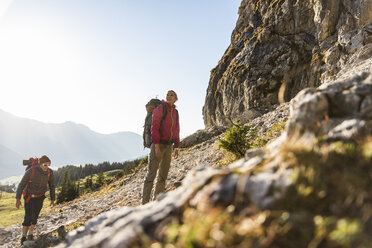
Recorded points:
(174, 93)
(44, 159)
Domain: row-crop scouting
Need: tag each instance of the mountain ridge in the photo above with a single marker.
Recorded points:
(66, 143)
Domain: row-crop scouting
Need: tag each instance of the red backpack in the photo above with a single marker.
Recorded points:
(32, 163)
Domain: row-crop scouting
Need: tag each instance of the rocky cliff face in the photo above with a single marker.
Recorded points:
(280, 47)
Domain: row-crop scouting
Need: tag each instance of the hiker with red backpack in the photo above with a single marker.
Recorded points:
(33, 187)
(165, 131)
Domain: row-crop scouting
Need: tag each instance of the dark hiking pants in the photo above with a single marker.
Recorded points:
(32, 211)
(163, 165)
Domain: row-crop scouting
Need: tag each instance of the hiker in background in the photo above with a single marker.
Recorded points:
(33, 186)
(165, 131)
(150, 106)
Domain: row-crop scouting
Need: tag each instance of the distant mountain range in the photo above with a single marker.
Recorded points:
(66, 144)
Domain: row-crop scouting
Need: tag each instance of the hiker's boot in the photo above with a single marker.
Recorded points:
(23, 239)
(30, 237)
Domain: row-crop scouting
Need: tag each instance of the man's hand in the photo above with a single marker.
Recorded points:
(157, 151)
(18, 203)
(175, 155)
(52, 203)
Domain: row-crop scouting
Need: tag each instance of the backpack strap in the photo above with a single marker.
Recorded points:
(32, 174)
(176, 116)
(163, 118)
(28, 183)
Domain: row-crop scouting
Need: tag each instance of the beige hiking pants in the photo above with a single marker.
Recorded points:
(154, 162)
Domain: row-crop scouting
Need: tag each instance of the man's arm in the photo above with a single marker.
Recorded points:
(23, 183)
(21, 186)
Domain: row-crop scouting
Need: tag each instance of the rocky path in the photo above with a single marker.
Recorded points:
(124, 192)
(127, 191)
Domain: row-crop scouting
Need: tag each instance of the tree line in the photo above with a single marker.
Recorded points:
(8, 188)
(79, 172)
(68, 177)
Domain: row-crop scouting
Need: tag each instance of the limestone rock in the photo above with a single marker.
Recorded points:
(338, 111)
(281, 47)
(201, 136)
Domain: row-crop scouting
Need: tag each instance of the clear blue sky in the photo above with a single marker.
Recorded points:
(97, 62)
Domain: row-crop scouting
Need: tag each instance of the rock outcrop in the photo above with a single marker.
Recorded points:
(201, 135)
(271, 193)
(280, 47)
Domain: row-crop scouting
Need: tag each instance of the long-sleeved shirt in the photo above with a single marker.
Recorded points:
(171, 125)
(39, 183)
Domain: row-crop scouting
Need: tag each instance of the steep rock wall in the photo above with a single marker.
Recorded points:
(280, 47)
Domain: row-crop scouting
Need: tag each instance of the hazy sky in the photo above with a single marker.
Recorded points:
(97, 62)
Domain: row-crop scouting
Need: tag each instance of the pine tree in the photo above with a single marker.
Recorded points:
(100, 180)
(71, 191)
(68, 191)
(62, 195)
(89, 183)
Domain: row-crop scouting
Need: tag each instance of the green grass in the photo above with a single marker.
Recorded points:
(9, 214)
(274, 132)
(109, 176)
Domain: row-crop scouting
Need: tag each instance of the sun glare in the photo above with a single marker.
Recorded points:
(38, 63)
(4, 5)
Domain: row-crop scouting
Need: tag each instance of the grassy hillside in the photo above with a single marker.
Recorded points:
(109, 176)
(9, 214)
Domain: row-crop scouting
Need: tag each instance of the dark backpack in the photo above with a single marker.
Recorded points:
(147, 138)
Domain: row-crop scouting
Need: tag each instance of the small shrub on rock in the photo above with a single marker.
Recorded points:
(120, 174)
(238, 139)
